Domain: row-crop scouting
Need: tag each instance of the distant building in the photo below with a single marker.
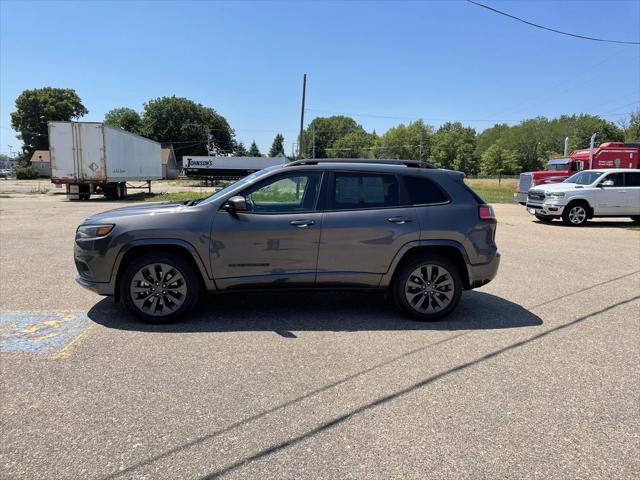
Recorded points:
(41, 161)
(227, 167)
(170, 167)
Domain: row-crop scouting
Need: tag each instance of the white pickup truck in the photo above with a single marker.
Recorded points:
(588, 194)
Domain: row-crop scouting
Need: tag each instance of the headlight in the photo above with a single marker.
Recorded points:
(85, 232)
(555, 194)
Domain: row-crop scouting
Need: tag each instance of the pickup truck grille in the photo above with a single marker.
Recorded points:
(525, 182)
(536, 195)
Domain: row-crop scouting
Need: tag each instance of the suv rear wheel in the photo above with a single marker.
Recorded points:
(576, 214)
(159, 287)
(428, 287)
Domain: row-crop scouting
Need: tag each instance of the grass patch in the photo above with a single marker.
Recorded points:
(4, 195)
(493, 191)
(177, 197)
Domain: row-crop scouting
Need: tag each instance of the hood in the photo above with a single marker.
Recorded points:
(148, 209)
(557, 187)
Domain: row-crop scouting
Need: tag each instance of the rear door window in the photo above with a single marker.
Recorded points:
(632, 179)
(364, 190)
(424, 191)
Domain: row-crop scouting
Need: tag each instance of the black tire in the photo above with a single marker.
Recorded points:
(123, 191)
(636, 218)
(544, 219)
(111, 191)
(576, 214)
(187, 300)
(447, 276)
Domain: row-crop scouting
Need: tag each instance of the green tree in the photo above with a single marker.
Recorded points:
(253, 150)
(323, 132)
(497, 160)
(186, 124)
(489, 136)
(454, 147)
(124, 118)
(277, 147)
(34, 108)
(632, 128)
(240, 150)
(356, 144)
(403, 142)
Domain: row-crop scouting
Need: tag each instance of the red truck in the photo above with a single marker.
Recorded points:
(607, 155)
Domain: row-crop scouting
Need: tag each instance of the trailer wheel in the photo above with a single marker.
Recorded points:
(123, 191)
(112, 191)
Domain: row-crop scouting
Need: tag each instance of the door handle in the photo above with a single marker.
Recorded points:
(302, 223)
(399, 220)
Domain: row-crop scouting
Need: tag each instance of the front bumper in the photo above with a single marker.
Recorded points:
(545, 209)
(520, 197)
(483, 273)
(97, 287)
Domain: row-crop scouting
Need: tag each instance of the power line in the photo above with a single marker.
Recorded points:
(583, 37)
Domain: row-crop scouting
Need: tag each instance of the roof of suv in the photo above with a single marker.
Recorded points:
(374, 165)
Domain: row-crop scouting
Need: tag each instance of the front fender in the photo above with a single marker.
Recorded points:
(160, 242)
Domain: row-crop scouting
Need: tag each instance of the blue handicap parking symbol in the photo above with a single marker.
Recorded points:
(40, 332)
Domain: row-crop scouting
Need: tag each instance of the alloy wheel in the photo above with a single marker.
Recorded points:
(577, 214)
(429, 288)
(158, 289)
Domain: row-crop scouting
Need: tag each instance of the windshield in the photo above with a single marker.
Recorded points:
(558, 164)
(237, 185)
(583, 178)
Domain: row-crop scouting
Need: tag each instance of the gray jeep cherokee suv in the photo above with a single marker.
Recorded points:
(399, 226)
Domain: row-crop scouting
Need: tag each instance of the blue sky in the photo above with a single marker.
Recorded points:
(387, 62)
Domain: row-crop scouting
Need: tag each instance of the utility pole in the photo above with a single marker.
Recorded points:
(421, 144)
(313, 136)
(304, 92)
(591, 142)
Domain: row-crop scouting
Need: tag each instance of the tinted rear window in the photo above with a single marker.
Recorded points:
(423, 191)
(364, 190)
(632, 179)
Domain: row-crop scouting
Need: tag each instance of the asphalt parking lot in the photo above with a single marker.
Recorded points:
(536, 375)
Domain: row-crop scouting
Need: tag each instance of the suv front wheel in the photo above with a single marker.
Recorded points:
(576, 214)
(428, 287)
(159, 287)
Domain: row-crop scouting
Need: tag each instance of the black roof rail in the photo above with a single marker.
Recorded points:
(406, 163)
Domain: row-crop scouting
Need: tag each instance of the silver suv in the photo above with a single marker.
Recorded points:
(419, 233)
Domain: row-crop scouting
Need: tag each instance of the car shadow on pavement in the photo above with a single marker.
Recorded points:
(285, 313)
(598, 223)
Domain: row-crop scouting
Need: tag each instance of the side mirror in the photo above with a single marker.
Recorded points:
(607, 183)
(236, 204)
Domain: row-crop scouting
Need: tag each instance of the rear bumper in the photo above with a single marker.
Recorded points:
(97, 287)
(483, 273)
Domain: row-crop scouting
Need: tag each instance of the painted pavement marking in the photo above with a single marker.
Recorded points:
(42, 332)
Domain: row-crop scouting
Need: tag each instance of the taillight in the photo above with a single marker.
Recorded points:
(486, 212)
(517, 188)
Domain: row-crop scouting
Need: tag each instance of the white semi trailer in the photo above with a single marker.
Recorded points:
(94, 158)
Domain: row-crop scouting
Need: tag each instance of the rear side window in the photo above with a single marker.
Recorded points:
(364, 190)
(632, 179)
(424, 191)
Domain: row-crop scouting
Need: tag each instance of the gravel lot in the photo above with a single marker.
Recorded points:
(535, 376)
